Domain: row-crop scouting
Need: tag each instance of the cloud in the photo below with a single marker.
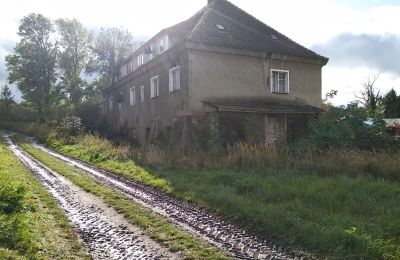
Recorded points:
(377, 52)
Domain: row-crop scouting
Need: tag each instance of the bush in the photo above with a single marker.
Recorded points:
(350, 127)
(13, 223)
(11, 196)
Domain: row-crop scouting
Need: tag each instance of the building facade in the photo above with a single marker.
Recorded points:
(221, 63)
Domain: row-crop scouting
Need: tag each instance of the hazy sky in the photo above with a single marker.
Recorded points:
(360, 37)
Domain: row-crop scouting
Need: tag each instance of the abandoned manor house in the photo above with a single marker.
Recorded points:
(221, 72)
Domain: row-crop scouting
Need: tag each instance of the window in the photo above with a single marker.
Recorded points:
(155, 87)
(174, 79)
(280, 81)
(141, 93)
(129, 67)
(132, 96)
(140, 60)
(163, 44)
(110, 104)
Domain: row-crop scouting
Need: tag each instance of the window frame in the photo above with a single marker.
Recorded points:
(165, 46)
(132, 96)
(142, 94)
(171, 86)
(140, 60)
(110, 104)
(287, 83)
(155, 92)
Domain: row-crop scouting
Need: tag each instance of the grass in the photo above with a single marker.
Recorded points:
(152, 224)
(32, 226)
(339, 204)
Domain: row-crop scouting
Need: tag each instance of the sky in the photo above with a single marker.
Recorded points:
(360, 37)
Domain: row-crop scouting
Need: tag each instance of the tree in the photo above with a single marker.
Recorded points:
(370, 97)
(391, 104)
(6, 94)
(6, 100)
(73, 59)
(32, 65)
(111, 47)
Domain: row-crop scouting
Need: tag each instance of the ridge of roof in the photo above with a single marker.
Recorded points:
(191, 27)
(266, 25)
(226, 9)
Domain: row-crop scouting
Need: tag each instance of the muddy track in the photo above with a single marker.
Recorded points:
(234, 241)
(106, 234)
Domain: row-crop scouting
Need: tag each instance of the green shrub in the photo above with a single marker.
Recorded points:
(350, 127)
(11, 196)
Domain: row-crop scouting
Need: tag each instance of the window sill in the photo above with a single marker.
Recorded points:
(280, 93)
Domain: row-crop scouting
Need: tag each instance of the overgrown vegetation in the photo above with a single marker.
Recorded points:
(31, 224)
(337, 199)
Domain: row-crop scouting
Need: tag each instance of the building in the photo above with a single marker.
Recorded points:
(221, 70)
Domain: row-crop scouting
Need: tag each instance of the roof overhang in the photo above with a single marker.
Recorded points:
(261, 106)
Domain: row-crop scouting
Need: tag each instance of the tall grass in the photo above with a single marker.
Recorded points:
(246, 155)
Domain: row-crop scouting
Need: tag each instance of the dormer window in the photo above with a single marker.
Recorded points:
(163, 44)
(280, 81)
(220, 27)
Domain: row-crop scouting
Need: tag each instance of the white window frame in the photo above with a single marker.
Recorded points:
(142, 94)
(140, 60)
(132, 96)
(155, 89)
(173, 88)
(287, 83)
(164, 43)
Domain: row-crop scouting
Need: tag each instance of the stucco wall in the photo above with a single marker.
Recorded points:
(217, 75)
(163, 109)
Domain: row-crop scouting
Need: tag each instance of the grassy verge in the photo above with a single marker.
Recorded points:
(341, 216)
(31, 224)
(151, 223)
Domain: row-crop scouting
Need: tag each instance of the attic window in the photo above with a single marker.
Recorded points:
(273, 36)
(220, 27)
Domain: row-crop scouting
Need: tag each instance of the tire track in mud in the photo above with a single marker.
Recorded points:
(200, 223)
(106, 234)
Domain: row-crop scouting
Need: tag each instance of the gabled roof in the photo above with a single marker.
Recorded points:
(241, 31)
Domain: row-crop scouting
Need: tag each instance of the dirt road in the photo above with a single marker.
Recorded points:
(106, 234)
(187, 216)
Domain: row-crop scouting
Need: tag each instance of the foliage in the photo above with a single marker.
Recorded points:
(325, 201)
(6, 102)
(31, 224)
(111, 47)
(73, 125)
(32, 65)
(152, 224)
(75, 43)
(391, 104)
(370, 96)
(88, 112)
(350, 127)
(6, 94)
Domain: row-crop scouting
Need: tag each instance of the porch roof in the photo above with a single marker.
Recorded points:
(262, 105)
